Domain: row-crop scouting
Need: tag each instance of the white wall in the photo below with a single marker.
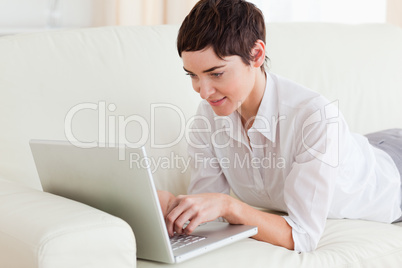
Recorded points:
(338, 11)
(20, 13)
(66, 13)
(26, 15)
(394, 12)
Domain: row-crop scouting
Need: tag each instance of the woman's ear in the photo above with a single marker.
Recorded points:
(258, 53)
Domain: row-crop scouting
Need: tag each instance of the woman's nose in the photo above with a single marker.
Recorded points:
(205, 89)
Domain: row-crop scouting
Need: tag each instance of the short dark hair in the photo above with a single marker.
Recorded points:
(230, 27)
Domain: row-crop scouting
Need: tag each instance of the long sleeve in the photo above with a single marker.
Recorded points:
(310, 185)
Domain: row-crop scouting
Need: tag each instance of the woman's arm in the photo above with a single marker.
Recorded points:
(271, 228)
(206, 207)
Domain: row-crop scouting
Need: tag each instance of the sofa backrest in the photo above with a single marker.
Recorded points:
(126, 84)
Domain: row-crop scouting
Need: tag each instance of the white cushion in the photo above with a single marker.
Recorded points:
(345, 243)
(357, 65)
(42, 230)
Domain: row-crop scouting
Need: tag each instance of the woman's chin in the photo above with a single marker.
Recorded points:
(221, 112)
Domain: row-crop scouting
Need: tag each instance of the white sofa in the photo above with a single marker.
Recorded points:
(92, 84)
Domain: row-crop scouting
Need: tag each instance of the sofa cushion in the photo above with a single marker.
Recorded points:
(345, 243)
(42, 230)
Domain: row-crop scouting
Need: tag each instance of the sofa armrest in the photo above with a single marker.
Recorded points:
(38, 229)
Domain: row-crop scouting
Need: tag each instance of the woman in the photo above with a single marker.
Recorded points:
(276, 144)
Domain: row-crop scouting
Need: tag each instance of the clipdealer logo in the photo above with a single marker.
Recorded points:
(109, 125)
(112, 127)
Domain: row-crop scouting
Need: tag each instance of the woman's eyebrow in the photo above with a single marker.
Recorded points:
(213, 68)
(186, 70)
(208, 70)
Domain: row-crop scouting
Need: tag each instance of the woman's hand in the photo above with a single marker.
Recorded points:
(197, 209)
(200, 208)
(165, 198)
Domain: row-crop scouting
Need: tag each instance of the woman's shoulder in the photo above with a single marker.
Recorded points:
(293, 95)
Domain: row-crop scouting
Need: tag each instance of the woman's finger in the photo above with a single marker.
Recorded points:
(178, 207)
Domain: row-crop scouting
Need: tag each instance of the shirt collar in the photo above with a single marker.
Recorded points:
(267, 116)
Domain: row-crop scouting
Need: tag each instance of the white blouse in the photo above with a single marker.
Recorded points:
(300, 158)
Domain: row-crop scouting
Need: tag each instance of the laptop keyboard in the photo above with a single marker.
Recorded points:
(182, 240)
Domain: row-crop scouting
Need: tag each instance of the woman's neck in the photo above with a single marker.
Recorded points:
(249, 108)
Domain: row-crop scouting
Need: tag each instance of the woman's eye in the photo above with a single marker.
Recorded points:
(216, 74)
(191, 75)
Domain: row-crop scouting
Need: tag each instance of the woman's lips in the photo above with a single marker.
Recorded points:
(217, 102)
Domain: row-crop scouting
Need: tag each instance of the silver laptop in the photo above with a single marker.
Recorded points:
(99, 177)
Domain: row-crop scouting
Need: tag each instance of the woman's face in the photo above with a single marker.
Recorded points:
(227, 84)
